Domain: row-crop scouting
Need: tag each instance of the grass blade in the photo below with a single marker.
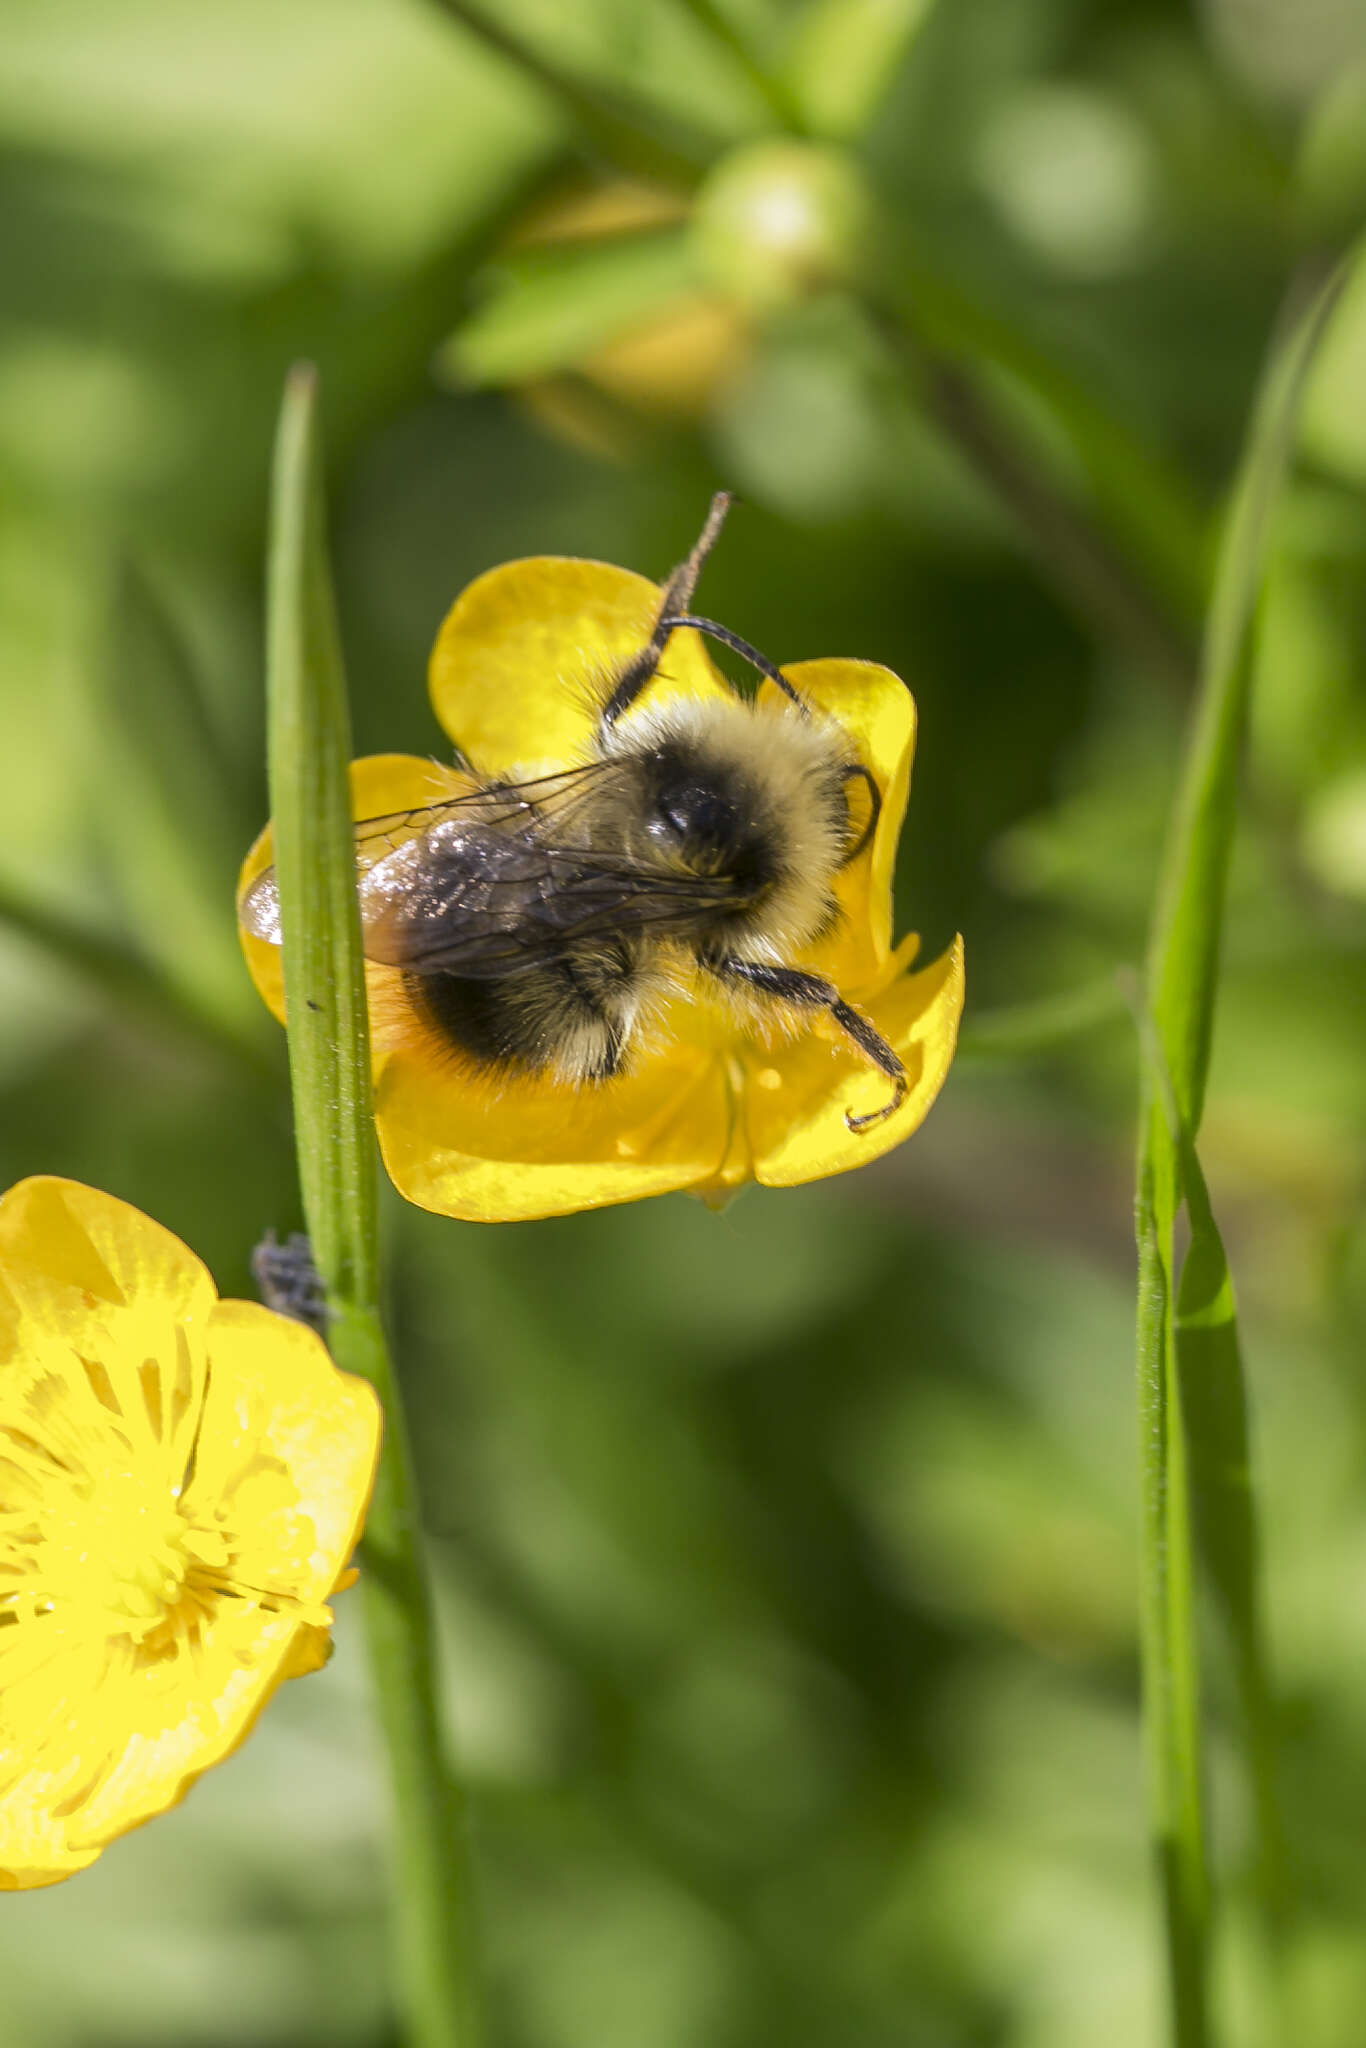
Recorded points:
(329, 1053)
(1194, 1465)
(1184, 951)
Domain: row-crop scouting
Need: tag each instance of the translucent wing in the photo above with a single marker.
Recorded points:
(513, 806)
(490, 883)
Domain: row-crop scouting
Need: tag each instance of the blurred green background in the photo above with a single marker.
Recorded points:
(787, 1558)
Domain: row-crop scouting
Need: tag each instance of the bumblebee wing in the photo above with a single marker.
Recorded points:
(544, 805)
(488, 904)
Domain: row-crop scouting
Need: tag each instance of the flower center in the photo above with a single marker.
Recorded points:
(117, 1552)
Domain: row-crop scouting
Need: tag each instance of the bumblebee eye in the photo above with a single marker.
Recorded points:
(693, 813)
(699, 816)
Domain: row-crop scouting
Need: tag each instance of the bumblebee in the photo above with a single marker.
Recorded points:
(540, 926)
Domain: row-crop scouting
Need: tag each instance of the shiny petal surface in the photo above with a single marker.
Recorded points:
(81, 1270)
(276, 1406)
(453, 1144)
(525, 657)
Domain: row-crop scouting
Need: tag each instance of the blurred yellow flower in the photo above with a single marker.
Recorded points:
(713, 1100)
(182, 1480)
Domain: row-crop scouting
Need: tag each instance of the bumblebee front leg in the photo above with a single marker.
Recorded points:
(809, 992)
(677, 596)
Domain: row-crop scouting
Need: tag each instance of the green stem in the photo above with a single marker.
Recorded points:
(1097, 577)
(1194, 1467)
(1171, 1694)
(1167, 1632)
(1139, 507)
(329, 1055)
(635, 136)
(781, 103)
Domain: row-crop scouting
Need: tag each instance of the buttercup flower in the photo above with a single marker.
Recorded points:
(182, 1480)
(709, 1102)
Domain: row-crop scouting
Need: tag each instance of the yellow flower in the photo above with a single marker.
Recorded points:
(182, 1480)
(710, 1104)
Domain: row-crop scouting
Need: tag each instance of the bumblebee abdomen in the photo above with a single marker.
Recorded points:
(570, 1016)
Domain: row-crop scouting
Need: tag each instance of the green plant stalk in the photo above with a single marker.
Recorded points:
(1142, 517)
(1171, 1702)
(1192, 1415)
(636, 136)
(770, 88)
(329, 1055)
(1184, 947)
(1073, 537)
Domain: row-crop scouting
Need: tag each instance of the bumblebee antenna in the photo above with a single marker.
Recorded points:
(683, 582)
(740, 647)
(677, 597)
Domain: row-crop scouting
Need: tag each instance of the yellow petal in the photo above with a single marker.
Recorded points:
(524, 660)
(309, 1652)
(877, 711)
(108, 1306)
(504, 1152)
(69, 1250)
(275, 1403)
(380, 783)
(796, 1097)
(126, 1741)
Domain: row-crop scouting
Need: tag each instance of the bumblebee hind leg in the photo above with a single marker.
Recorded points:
(809, 992)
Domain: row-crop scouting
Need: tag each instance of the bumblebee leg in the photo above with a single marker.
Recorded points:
(288, 1281)
(809, 992)
(865, 839)
(676, 598)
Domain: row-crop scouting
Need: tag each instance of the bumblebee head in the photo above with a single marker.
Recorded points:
(698, 813)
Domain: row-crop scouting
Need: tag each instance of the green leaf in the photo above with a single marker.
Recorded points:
(551, 307)
(309, 739)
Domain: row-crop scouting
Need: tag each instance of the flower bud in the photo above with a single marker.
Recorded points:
(777, 221)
